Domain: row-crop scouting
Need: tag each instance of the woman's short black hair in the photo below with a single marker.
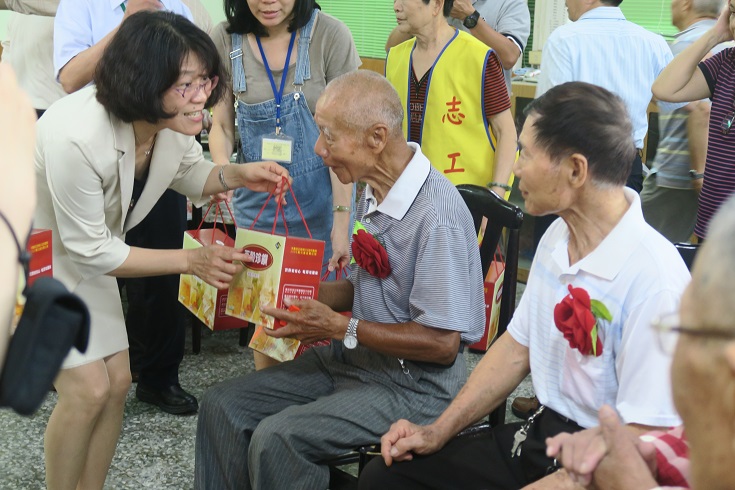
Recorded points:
(242, 20)
(144, 60)
(448, 4)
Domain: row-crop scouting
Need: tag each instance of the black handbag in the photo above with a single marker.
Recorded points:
(53, 321)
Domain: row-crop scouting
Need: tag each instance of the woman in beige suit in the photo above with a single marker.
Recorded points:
(104, 155)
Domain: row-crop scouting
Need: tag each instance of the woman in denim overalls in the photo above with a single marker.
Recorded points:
(324, 201)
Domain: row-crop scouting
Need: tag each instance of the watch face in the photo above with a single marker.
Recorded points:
(350, 342)
(471, 20)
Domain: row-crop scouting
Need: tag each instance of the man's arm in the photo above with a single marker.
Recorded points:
(498, 373)
(17, 190)
(682, 80)
(31, 7)
(507, 50)
(314, 321)
(79, 70)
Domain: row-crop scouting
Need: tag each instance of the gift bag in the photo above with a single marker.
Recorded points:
(40, 265)
(493, 295)
(283, 266)
(285, 349)
(207, 302)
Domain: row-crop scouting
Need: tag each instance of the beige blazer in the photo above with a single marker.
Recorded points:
(85, 164)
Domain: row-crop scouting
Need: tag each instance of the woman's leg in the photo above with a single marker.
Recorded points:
(85, 397)
(107, 429)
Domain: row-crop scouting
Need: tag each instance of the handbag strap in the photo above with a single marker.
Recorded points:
(217, 213)
(280, 211)
(338, 273)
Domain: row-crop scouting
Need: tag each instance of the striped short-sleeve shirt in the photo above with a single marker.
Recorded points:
(427, 230)
(719, 173)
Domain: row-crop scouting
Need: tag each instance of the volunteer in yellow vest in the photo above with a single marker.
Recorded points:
(454, 94)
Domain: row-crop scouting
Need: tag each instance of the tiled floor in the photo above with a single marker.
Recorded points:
(156, 450)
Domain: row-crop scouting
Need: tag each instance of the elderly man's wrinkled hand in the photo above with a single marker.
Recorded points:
(216, 264)
(306, 320)
(404, 439)
(578, 453)
(627, 462)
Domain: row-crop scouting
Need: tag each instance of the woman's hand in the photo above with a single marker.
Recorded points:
(266, 177)
(222, 196)
(722, 27)
(214, 264)
(340, 250)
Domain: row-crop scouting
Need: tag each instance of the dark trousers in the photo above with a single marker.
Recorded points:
(635, 182)
(480, 460)
(156, 330)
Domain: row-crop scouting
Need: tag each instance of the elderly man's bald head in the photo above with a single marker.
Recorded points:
(361, 99)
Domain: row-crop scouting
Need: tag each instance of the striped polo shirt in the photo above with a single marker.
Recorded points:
(719, 173)
(427, 230)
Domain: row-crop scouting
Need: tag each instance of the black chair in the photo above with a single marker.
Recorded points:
(687, 251)
(504, 222)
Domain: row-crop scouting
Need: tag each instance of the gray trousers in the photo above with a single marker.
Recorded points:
(270, 429)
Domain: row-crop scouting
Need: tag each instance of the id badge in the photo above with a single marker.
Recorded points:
(277, 147)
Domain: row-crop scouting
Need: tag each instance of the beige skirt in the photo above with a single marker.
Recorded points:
(107, 333)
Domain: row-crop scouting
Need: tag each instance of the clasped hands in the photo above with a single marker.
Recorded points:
(607, 457)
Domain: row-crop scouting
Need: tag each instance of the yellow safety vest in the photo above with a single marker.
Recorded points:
(455, 136)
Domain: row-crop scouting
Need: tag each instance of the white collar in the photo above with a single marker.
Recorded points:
(615, 249)
(404, 191)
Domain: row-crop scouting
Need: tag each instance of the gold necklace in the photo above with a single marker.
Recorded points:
(137, 143)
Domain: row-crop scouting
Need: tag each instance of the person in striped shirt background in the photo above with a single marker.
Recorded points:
(687, 78)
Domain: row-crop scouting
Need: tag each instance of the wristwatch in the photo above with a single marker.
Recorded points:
(471, 20)
(350, 340)
(694, 175)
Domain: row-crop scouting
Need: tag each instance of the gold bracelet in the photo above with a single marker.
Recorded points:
(341, 209)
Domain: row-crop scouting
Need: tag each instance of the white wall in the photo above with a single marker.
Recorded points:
(215, 8)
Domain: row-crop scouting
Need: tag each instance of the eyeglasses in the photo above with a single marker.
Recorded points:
(668, 328)
(208, 84)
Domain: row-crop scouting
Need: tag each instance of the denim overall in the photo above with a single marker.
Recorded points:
(311, 183)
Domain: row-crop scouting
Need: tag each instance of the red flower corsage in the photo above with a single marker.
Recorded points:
(369, 253)
(577, 317)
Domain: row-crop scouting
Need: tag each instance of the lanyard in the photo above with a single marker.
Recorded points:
(122, 6)
(278, 95)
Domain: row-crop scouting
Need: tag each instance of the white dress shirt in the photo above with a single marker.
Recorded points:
(80, 24)
(605, 49)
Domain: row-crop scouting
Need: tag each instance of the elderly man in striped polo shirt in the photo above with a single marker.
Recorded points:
(411, 314)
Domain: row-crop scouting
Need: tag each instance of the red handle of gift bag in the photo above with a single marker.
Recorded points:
(280, 211)
(498, 260)
(338, 273)
(217, 213)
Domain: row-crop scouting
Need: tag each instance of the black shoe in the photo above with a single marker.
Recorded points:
(172, 399)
